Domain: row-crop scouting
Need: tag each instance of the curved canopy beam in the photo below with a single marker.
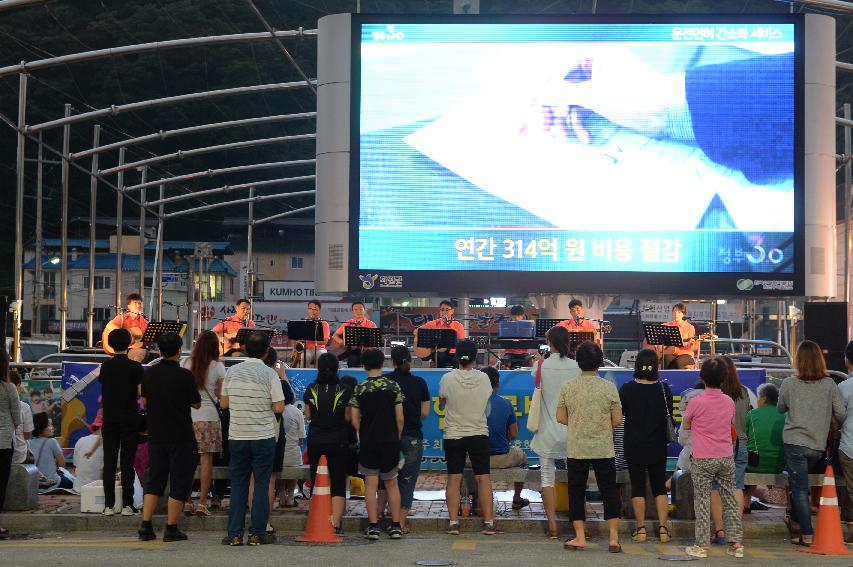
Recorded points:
(229, 188)
(215, 172)
(163, 134)
(282, 215)
(118, 109)
(255, 199)
(28, 66)
(180, 154)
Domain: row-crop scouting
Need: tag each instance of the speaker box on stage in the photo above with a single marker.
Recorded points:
(826, 324)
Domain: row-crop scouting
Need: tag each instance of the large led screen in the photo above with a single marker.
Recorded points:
(552, 156)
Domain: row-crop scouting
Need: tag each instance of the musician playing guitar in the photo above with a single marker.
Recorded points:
(227, 330)
(336, 346)
(578, 322)
(445, 321)
(683, 357)
(134, 321)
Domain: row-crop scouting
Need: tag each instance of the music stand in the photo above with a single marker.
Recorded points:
(306, 330)
(240, 338)
(157, 328)
(578, 337)
(364, 337)
(662, 335)
(436, 339)
(545, 325)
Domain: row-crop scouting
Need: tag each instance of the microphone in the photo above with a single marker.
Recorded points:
(686, 318)
(446, 320)
(577, 320)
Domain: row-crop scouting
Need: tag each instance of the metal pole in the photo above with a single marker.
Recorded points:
(142, 237)
(241, 201)
(8, 4)
(250, 288)
(229, 188)
(180, 154)
(119, 225)
(27, 66)
(713, 318)
(780, 321)
(163, 134)
(191, 297)
(162, 220)
(19, 216)
(214, 172)
(93, 205)
(63, 269)
(35, 326)
(848, 233)
(284, 214)
(189, 97)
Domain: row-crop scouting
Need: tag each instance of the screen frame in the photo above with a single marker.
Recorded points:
(491, 282)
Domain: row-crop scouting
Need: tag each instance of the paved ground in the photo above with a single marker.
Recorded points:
(508, 549)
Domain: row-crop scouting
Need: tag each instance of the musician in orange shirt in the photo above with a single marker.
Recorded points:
(134, 321)
(227, 329)
(578, 322)
(446, 357)
(352, 355)
(683, 357)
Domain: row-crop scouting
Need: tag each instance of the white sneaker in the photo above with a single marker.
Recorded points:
(696, 551)
(736, 552)
(128, 511)
(108, 512)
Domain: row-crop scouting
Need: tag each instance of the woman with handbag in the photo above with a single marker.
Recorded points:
(209, 373)
(549, 439)
(647, 407)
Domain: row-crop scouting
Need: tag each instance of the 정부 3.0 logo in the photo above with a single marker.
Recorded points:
(368, 280)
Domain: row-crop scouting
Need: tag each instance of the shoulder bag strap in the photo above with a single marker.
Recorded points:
(539, 386)
(665, 401)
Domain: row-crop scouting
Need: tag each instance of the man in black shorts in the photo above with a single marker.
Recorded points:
(465, 393)
(377, 414)
(169, 391)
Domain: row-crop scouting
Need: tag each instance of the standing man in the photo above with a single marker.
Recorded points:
(227, 330)
(352, 355)
(170, 391)
(313, 349)
(503, 428)
(252, 391)
(377, 415)
(134, 321)
(120, 380)
(516, 357)
(446, 357)
(416, 400)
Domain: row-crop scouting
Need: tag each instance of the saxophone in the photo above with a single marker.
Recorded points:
(297, 353)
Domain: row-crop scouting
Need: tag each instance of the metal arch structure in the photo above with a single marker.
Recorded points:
(25, 133)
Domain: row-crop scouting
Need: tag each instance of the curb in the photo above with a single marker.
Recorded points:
(41, 523)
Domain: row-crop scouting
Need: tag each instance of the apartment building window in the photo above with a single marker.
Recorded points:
(49, 287)
(296, 262)
(101, 282)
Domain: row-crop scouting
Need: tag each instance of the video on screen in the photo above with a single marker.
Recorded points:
(577, 147)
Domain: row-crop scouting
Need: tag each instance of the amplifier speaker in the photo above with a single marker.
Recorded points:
(826, 324)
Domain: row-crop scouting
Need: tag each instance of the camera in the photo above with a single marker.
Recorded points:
(544, 349)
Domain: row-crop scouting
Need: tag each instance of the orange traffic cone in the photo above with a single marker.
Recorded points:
(319, 527)
(828, 538)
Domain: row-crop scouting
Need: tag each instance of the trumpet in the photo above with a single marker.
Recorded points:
(297, 353)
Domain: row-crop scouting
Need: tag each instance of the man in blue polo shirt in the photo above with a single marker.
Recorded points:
(503, 428)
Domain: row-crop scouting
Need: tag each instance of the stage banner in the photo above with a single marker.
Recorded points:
(81, 400)
(517, 387)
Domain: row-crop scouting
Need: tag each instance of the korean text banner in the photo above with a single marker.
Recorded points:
(517, 387)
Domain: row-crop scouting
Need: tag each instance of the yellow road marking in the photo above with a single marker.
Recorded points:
(464, 545)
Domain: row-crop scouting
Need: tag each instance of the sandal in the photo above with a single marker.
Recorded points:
(573, 546)
(719, 539)
(452, 528)
(4, 533)
(663, 534)
(202, 510)
(615, 548)
(553, 534)
(639, 534)
(189, 509)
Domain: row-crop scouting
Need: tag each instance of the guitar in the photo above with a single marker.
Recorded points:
(136, 345)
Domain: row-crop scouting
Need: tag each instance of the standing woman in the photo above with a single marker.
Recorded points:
(208, 372)
(10, 418)
(810, 398)
(549, 442)
(647, 405)
(328, 411)
(740, 396)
